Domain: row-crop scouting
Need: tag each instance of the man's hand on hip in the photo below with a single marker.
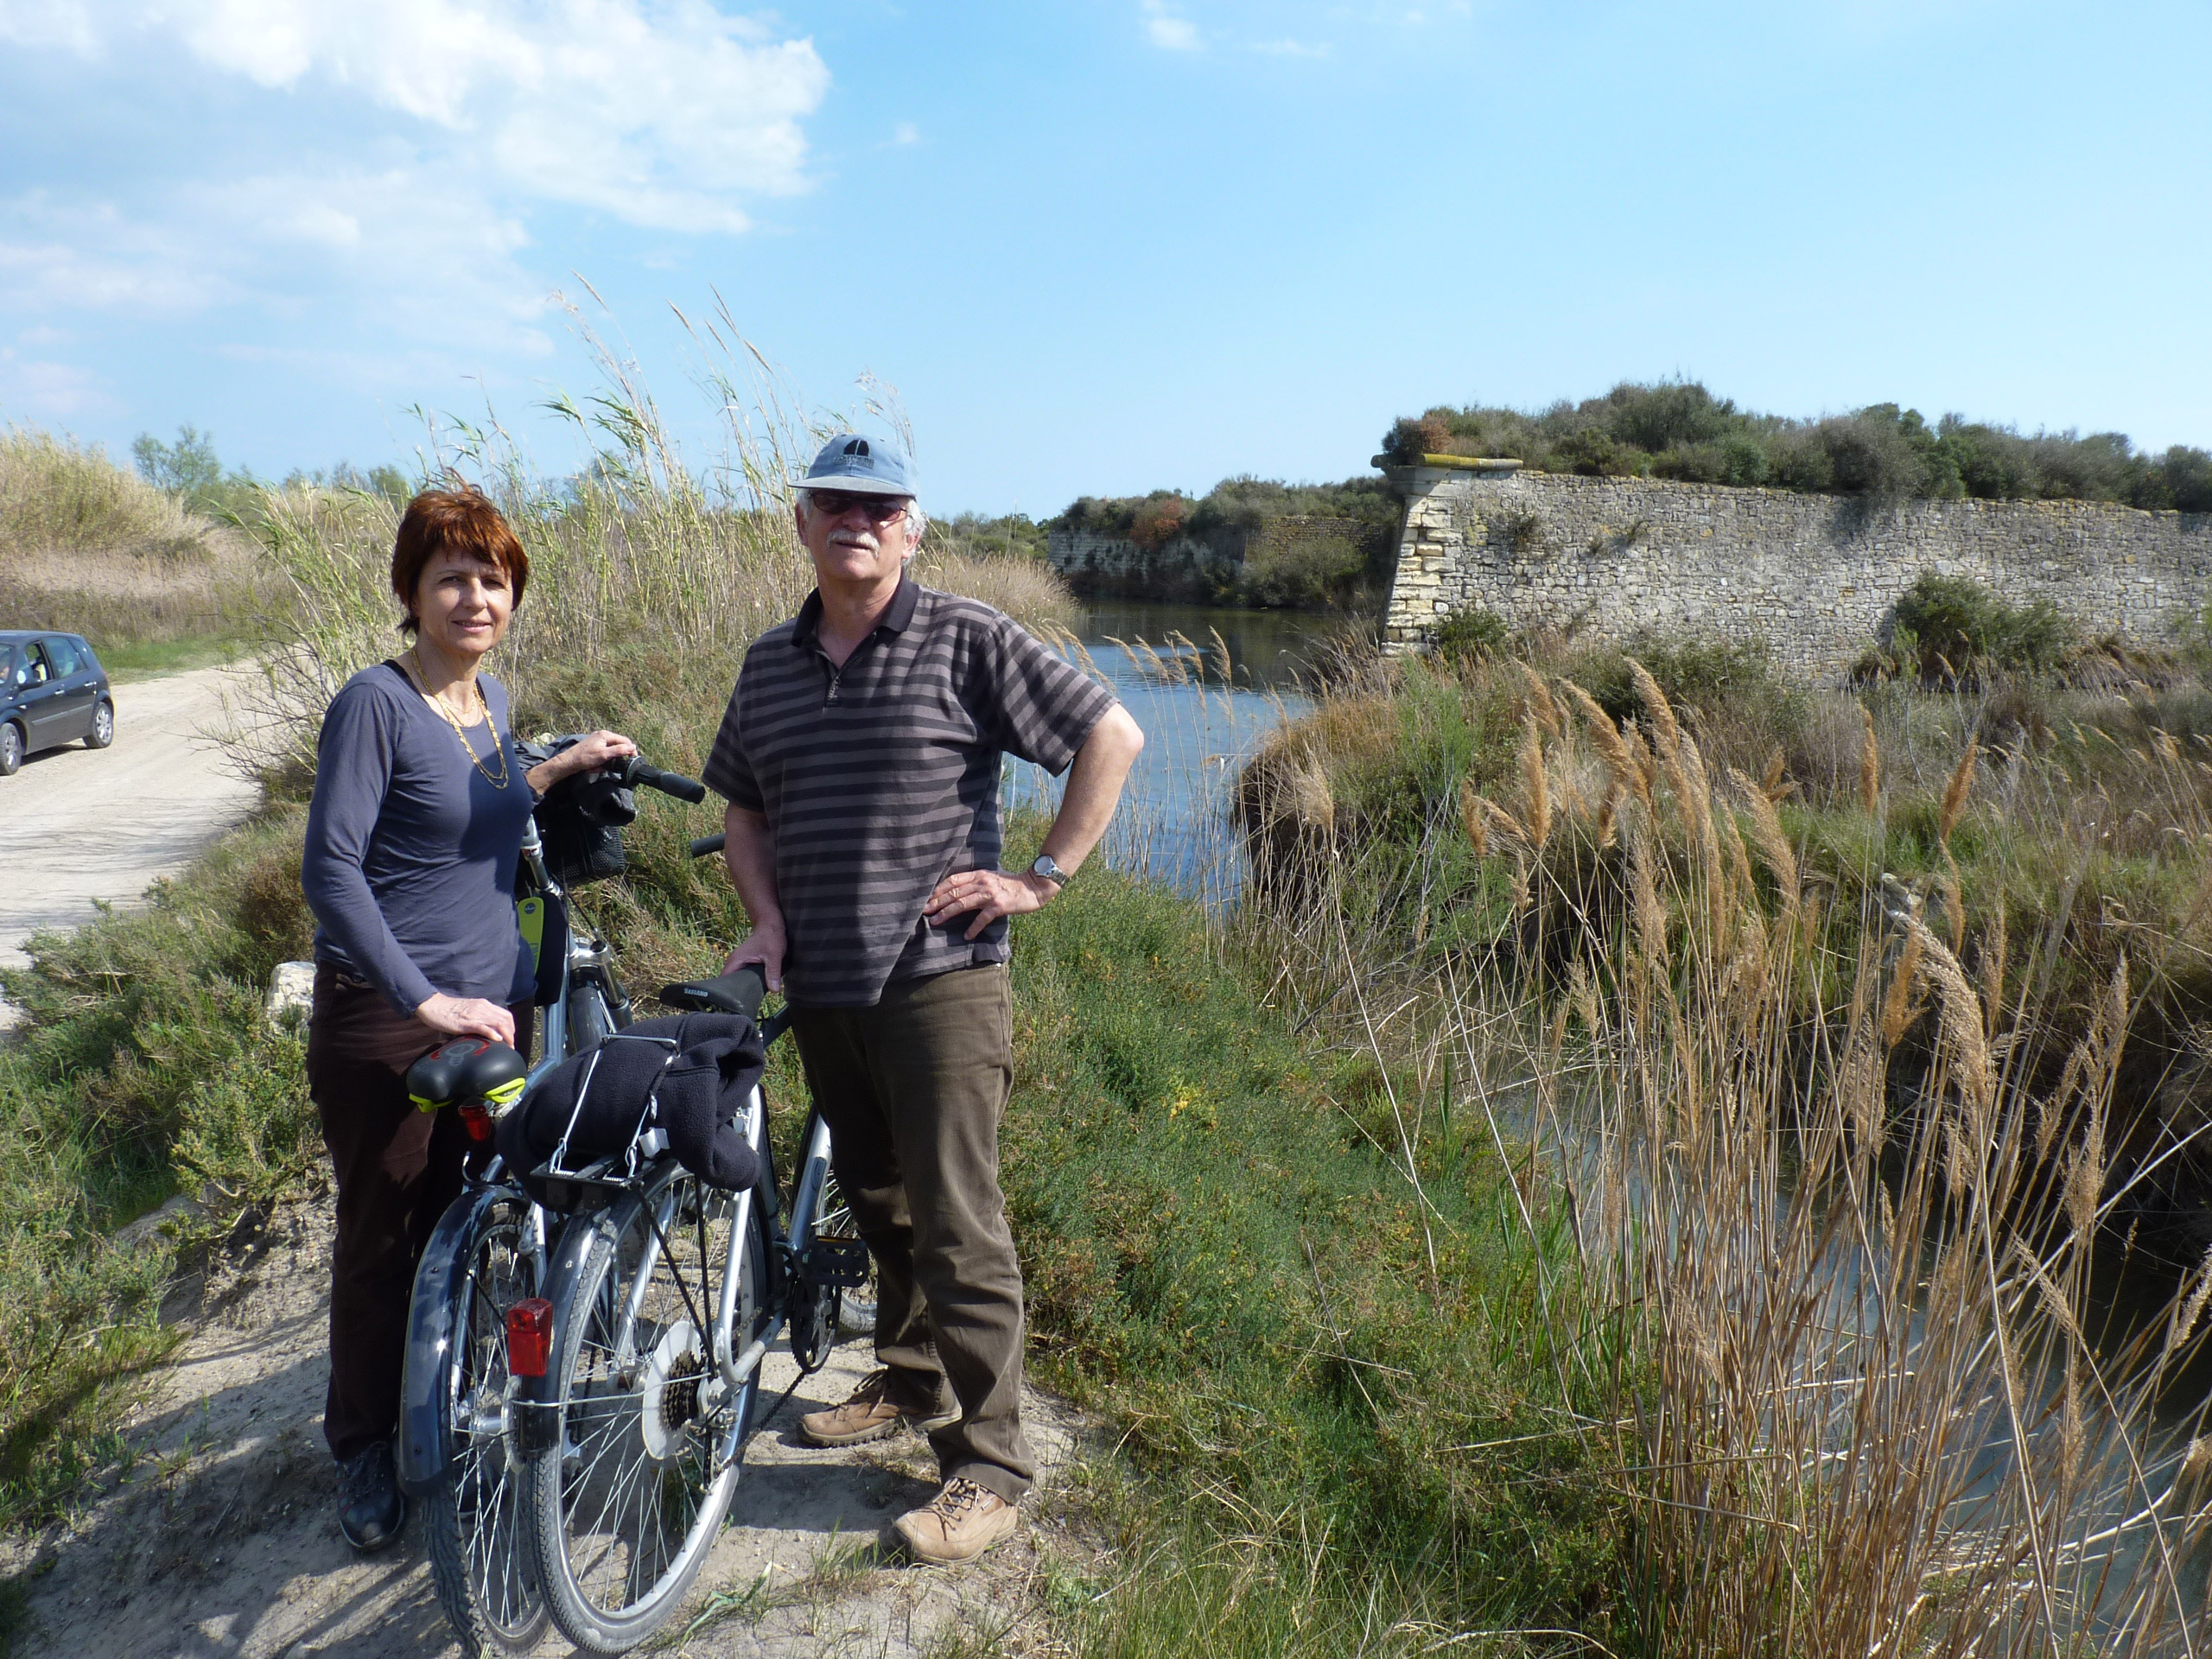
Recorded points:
(990, 895)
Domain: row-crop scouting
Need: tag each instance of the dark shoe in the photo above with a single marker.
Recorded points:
(959, 1524)
(371, 1507)
(869, 1414)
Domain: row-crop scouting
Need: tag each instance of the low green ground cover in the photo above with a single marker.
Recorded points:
(146, 1068)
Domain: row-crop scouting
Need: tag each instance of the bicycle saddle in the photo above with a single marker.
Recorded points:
(468, 1068)
(736, 993)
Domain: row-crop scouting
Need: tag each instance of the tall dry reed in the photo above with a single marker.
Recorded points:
(644, 565)
(1850, 1206)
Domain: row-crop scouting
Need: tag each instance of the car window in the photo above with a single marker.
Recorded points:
(66, 660)
(33, 670)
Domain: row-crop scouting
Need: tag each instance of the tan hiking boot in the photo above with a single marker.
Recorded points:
(959, 1524)
(868, 1414)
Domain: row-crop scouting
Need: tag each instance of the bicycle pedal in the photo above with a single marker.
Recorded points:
(838, 1261)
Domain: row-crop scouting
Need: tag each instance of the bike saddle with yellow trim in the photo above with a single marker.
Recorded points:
(468, 1068)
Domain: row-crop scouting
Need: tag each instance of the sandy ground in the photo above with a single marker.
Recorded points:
(221, 1538)
(78, 824)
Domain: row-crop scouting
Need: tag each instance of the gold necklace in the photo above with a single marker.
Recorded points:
(422, 685)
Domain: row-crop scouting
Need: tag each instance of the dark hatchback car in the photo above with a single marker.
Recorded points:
(53, 691)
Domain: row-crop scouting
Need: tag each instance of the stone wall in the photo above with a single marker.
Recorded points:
(1818, 576)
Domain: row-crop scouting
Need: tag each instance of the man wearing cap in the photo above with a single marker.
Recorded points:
(860, 756)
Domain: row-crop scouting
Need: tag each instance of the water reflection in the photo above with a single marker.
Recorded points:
(1207, 686)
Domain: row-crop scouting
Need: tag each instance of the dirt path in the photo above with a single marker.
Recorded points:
(220, 1539)
(78, 825)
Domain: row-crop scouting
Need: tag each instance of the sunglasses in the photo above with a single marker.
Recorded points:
(880, 509)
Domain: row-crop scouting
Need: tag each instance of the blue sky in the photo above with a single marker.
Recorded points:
(1104, 245)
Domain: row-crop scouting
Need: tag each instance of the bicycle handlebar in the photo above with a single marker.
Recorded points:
(708, 846)
(635, 773)
(733, 993)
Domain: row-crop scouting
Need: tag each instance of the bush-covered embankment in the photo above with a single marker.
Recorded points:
(1249, 542)
(1678, 429)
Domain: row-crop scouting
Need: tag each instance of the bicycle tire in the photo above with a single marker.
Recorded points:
(817, 1207)
(477, 1518)
(626, 1502)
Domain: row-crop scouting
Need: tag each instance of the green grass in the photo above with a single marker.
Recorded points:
(1220, 1257)
(148, 659)
(146, 1068)
(1223, 1260)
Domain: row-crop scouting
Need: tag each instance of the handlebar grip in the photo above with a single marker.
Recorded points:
(669, 783)
(708, 846)
(733, 992)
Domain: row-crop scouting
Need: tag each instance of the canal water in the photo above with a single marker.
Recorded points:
(1206, 686)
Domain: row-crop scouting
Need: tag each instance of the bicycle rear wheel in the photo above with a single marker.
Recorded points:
(626, 1507)
(819, 1210)
(475, 1519)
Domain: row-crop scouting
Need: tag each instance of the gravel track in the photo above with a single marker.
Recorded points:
(79, 825)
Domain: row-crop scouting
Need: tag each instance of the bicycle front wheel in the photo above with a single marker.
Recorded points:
(627, 1501)
(476, 1518)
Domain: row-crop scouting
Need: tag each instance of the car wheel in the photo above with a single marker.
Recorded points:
(103, 732)
(11, 749)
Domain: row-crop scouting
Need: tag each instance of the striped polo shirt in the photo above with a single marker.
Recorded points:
(881, 778)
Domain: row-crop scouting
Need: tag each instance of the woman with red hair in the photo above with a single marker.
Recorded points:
(413, 840)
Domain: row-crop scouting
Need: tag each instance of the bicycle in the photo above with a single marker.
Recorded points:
(586, 1327)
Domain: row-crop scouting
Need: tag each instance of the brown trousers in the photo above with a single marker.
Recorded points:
(913, 1089)
(398, 1168)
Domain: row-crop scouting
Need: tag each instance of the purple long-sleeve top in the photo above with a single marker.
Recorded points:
(411, 850)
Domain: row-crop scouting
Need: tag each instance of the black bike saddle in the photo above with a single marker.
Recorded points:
(468, 1068)
(737, 993)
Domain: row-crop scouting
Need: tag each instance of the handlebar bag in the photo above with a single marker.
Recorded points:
(688, 1075)
(580, 820)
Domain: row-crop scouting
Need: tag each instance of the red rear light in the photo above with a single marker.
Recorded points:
(476, 1117)
(530, 1336)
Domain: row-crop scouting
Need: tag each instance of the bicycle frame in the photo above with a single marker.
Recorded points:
(424, 1449)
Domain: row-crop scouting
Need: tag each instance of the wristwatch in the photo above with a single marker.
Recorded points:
(1049, 871)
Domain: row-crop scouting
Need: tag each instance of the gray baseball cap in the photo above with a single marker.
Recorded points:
(860, 466)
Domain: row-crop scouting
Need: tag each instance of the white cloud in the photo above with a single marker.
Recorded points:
(65, 23)
(50, 390)
(1168, 32)
(55, 254)
(660, 112)
(410, 142)
(1291, 48)
(405, 250)
(905, 133)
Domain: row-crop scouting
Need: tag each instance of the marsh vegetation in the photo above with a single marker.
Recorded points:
(1567, 1200)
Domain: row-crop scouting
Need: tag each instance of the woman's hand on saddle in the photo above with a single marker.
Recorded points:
(467, 1016)
(586, 754)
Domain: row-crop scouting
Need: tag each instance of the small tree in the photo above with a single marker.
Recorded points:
(188, 468)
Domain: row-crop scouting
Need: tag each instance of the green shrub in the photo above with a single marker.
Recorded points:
(1679, 429)
(1473, 635)
(1303, 575)
(1955, 621)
